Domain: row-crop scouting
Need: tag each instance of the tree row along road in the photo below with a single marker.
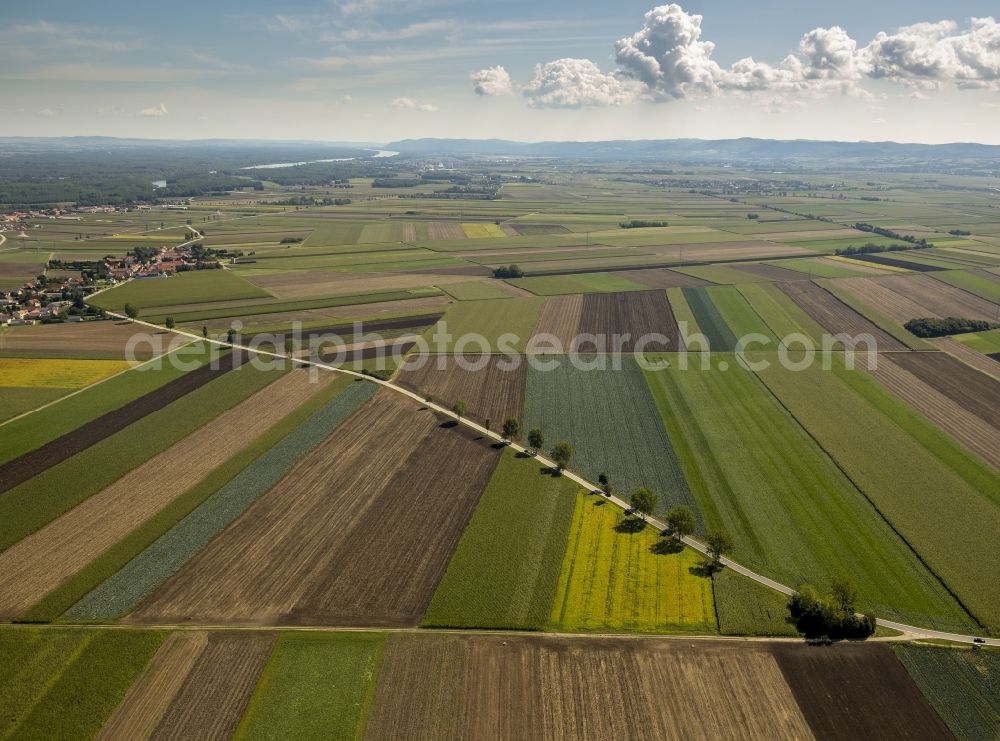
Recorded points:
(912, 631)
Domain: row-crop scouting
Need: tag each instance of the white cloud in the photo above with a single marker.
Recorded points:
(577, 83)
(667, 59)
(113, 110)
(408, 104)
(46, 113)
(492, 81)
(668, 55)
(154, 111)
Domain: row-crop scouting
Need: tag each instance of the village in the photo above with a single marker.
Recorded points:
(58, 294)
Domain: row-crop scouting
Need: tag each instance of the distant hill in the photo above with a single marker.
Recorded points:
(706, 151)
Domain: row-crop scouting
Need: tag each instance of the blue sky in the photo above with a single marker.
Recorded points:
(376, 70)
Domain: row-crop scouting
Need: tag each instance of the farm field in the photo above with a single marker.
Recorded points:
(186, 288)
(470, 324)
(444, 468)
(963, 686)
(492, 386)
(755, 472)
(614, 580)
(514, 543)
(844, 409)
(100, 340)
(579, 406)
(57, 374)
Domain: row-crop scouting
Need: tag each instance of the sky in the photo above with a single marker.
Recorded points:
(382, 70)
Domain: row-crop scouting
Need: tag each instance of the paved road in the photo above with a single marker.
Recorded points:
(911, 631)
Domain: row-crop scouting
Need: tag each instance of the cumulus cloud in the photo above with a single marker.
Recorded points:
(668, 54)
(668, 59)
(577, 83)
(492, 81)
(408, 104)
(154, 111)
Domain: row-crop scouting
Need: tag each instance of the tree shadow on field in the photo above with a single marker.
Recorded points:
(705, 569)
(631, 525)
(523, 454)
(448, 424)
(667, 547)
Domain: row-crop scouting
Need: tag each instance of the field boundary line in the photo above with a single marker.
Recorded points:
(687, 540)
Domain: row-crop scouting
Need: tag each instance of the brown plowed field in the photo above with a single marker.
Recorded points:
(148, 699)
(975, 392)
(717, 251)
(492, 393)
(968, 356)
(106, 339)
(883, 299)
(438, 275)
(967, 428)
(211, 702)
(635, 313)
(664, 278)
(561, 317)
(37, 564)
(771, 272)
(857, 691)
(941, 298)
(30, 464)
(445, 230)
(359, 532)
(535, 687)
(834, 315)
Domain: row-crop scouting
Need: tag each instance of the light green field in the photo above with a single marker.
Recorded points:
(184, 288)
(743, 321)
(974, 284)
(791, 511)
(612, 580)
(315, 686)
(904, 475)
(478, 290)
(985, 342)
(746, 608)
(485, 319)
(506, 568)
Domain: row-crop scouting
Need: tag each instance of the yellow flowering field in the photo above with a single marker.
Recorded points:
(613, 581)
(56, 373)
(480, 230)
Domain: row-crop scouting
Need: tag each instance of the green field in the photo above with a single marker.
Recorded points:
(506, 568)
(478, 290)
(903, 476)
(793, 514)
(711, 323)
(974, 284)
(485, 320)
(610, 419)
(746, 608)
(781, 314)
(315, 686)
(962, 685)
(195, 286)
(984, 342)
(742, 320)
(24, 435)
(38, 501)
(15, 401)
(65, 683)
(612, 580)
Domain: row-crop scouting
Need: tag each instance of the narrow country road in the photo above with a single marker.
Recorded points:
(910, 630)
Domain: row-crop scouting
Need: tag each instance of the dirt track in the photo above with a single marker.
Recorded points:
(37, 564)
(359, 532)
(31, 464)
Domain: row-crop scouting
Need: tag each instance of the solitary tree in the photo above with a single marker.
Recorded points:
(231, 336)
(561, 454)
(643, 501)
(488, 424)
(170, 322)
(460, 408)
(204, 330)
(680, 520)
(130, 311)
(511, 428)
(719, 543)
(605, 484)
(535, 439)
